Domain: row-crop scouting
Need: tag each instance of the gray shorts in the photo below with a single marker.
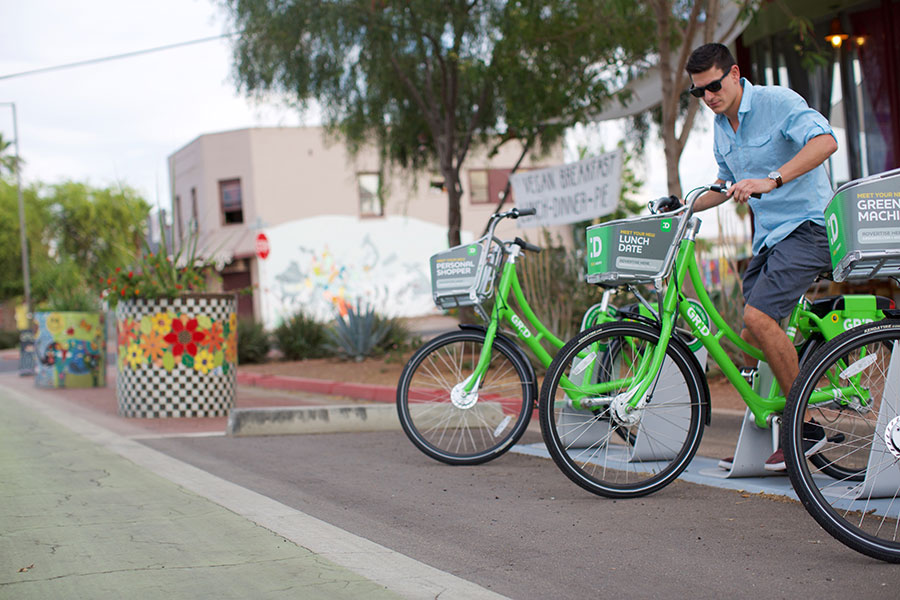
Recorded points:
(777, 276)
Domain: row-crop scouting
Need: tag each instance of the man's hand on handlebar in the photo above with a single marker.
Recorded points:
(744, 189)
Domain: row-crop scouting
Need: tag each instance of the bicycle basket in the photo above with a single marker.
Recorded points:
(863, 223)
(464, 275)
(631, 250)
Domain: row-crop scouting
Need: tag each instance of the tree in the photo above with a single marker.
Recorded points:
(96, 228)
(678, 22)
(429, 80)
(11, 279)
(7, 160)
(75, 233)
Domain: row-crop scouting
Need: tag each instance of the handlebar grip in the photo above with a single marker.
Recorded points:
(724, 188)
(524, 212)
(526, 246)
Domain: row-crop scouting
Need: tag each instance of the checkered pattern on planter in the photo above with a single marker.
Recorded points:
(145, 388)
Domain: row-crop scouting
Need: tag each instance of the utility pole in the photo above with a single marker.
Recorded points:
(26, 338)
(26, 275)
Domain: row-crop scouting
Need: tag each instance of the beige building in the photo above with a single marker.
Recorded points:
(230, 186)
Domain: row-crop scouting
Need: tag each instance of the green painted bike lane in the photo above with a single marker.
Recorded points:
(80, 521)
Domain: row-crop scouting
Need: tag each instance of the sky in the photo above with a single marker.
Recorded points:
(118, 121)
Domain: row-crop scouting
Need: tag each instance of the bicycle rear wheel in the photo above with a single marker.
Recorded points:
(851, 486)
(595, 449)
(458, 428)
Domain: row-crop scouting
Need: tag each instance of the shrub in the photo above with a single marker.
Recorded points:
(398, 339)
(358, 335)
(301, 336)
(253, 342)
(9, 339)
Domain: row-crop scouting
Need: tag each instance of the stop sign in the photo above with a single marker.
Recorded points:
(262, 246)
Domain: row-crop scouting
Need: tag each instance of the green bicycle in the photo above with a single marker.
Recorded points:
(623, 405)
(467, 396)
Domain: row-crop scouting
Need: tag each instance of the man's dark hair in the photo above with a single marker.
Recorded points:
(708, 56)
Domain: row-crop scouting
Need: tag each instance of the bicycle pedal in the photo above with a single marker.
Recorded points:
(749, 374)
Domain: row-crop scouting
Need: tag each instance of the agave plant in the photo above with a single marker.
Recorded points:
(357, 335)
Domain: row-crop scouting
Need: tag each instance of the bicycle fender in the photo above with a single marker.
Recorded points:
(512, 346)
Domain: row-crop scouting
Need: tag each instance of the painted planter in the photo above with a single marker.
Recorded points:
(70, 348)
(177, 357)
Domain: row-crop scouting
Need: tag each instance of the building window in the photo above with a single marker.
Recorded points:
(486, 185)
(370, 204)
(230, 199)
(478, 186)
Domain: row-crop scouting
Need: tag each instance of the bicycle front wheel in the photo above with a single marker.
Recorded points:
(850, 483)
(599, 451)
(453, 426)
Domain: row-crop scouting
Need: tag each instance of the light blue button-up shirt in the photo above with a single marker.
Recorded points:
(775, 123)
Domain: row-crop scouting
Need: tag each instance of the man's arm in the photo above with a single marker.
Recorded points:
(710, 199)
(810, 156)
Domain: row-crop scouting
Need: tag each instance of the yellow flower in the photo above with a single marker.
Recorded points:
(162, 322)
(136, 356)
(204, 362)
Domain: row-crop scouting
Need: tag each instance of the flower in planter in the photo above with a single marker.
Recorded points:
(135, 356)
(128, 332)
(204, 362)
(184, 337)
(215, 336)
(154, 344)
(160, 275)
(162, 322)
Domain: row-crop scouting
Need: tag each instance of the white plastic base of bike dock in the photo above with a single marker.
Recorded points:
(699, 472)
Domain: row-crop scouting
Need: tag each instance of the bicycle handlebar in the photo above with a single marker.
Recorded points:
(673, 203)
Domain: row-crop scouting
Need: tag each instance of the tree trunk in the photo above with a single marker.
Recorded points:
(454, 216)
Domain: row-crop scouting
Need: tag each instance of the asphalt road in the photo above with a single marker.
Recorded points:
(519, 527)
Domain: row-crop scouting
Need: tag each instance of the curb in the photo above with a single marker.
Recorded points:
(312, 419)
(360, 391)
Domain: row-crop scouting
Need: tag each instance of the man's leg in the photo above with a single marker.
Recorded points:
(765, 333)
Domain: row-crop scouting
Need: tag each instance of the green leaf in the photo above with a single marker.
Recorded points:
(218, 358)
(204, 322)
(146, 325)
(187, 360)
(168, 361)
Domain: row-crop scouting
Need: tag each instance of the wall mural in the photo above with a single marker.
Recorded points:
(325, 264)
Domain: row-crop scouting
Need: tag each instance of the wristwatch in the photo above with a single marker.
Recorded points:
(776, 177)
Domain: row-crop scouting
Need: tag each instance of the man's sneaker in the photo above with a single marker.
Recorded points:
(726, 463)
(813, 441)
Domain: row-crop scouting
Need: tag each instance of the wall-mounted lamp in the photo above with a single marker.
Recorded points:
(836, 36)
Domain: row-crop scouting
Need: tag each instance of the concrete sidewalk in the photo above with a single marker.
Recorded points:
(87, 512)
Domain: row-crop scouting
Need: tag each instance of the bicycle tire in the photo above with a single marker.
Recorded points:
(847, 507)
(460, 430)
(644, 457)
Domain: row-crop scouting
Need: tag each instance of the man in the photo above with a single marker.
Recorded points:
(768, 141)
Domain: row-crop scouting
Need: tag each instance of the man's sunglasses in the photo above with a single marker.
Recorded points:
(712, 86)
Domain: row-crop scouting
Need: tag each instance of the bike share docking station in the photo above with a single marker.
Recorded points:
(754, 444)
(670, 415)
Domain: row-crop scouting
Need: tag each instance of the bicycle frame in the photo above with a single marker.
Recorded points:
(502, 311)
(673, 303)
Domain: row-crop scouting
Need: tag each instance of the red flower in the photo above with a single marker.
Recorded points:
(184, 337)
